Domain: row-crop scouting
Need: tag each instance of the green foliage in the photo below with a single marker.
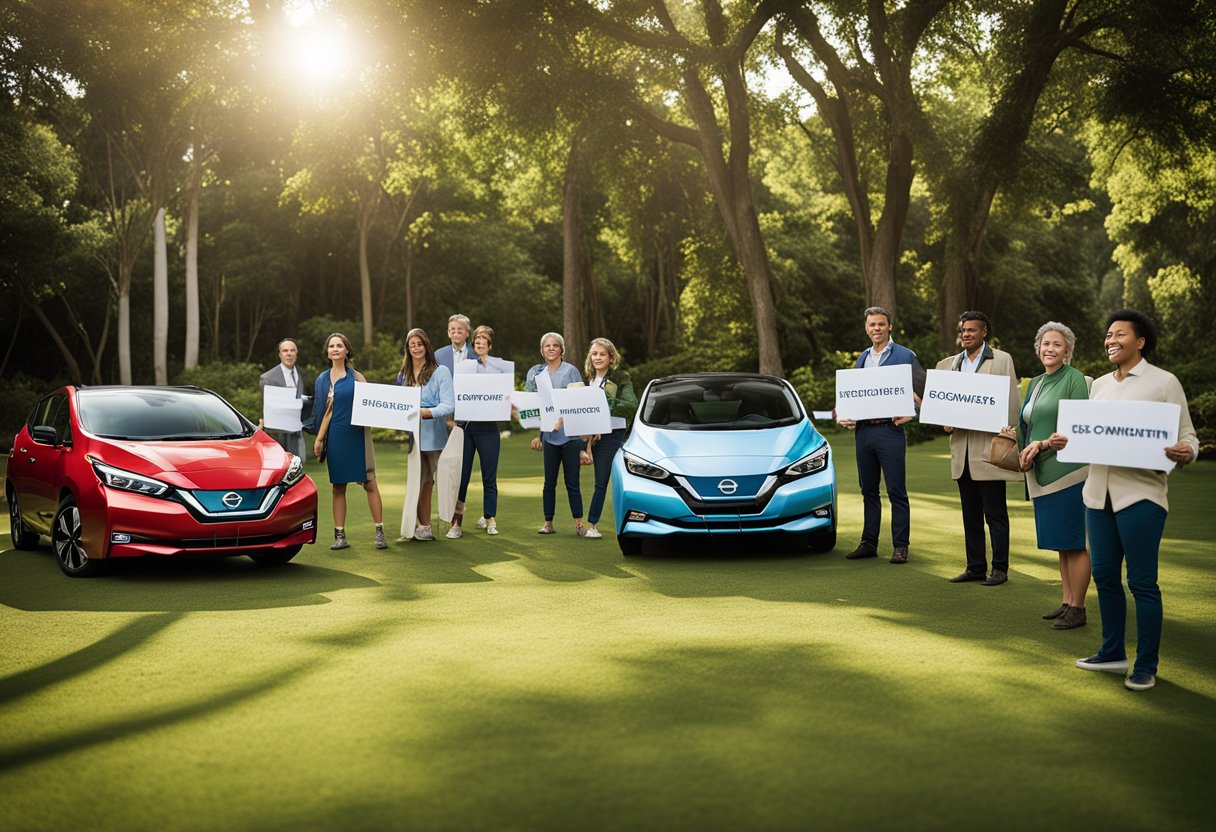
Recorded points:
(21, 393)
(238, 383)
(1203, 416)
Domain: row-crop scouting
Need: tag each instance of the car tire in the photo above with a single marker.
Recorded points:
(23, 537)
(822, 541)
(629, 545)
(275, 558)
(69, 550)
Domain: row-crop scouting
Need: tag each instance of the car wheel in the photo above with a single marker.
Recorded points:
(823, 541)
(629, 545)
(69, 549)
(23, 536)
(275, 558)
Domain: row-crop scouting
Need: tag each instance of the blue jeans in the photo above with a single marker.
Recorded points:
(562, 457)
(483, 438)
(602, 453)
(1132, 535)
(880, 453)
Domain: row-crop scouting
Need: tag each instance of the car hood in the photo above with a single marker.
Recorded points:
(253, 462)
(712, 452)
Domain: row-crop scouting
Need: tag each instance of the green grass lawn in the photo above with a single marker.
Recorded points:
(530, 682)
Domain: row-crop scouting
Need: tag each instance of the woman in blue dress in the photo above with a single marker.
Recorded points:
(561, 451)
(348, 447)
(419, 368)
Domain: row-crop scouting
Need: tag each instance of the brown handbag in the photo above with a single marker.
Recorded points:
(323, 430)
(1004, 452)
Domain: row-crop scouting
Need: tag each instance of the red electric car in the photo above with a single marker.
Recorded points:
(113, 472)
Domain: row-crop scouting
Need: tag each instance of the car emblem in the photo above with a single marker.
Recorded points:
(231, 499)
(728, 487)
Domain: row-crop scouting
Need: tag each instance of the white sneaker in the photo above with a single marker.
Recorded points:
(454, 533)
(592, 533)
(424, 533)
(491, 529)
(481, 522)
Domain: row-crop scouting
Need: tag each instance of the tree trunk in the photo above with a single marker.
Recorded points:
(192, 307)
(573, 313)
(69, 359)
(124, 325)
(160, 299)
(366, 212)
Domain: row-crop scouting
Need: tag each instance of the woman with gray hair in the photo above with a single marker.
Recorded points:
(1055, 487)
(561, 451)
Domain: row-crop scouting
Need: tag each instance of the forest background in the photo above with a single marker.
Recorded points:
(712, 185)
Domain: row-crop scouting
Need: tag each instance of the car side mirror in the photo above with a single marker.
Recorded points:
(45, 435)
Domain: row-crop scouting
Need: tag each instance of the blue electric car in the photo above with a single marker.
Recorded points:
(727, 454)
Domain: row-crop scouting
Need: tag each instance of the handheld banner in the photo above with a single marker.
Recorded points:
(528, 405)
(548, 412)
(974, 401)
(281, 409)
(483, 397)
(583, 410)
(875, 393)
(1128, 434)
(386, 406)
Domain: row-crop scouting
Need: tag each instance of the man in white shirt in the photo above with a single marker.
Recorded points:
(460, 349)
(287, 375)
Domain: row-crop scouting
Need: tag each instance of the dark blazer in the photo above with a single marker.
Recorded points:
(899, 355)
(274, 378)
(444, 355)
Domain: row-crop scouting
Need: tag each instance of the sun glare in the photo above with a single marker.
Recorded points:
(318, 52)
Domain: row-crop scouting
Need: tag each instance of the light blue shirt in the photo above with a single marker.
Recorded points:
(972, 366)
(440, 398)
(566, 375)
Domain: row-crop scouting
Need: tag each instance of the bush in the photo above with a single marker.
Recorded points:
(1203, 414)
(238, 383)
(21, 393)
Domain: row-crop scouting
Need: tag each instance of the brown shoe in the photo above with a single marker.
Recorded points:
(1056, 613)
(900, 555)
(1072, 617)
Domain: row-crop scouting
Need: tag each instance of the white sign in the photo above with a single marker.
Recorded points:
(1128, 434)
(492, 365)
(584, 410)
(483, 397)
(974, 401)
(548, 411)
(875, 393)
(281, 409)
(528, 405)
(386, 406)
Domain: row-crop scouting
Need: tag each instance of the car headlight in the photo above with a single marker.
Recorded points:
(809, 464)
(645, 469)
(126, 481)
(295, 471)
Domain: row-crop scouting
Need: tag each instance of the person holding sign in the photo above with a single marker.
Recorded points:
(287, 375)
(452, 354)
(482, 438)
(1055, 486)
(437, 402)
(1125, 508)
(561, 451)
(981, 485)
(881, 446)
(347, 447)
(602, 369)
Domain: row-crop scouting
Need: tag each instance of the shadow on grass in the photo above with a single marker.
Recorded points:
(124, 729)
(31, 580)
(801, 737)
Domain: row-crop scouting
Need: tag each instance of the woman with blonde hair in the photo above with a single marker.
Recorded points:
(603, 370)
(561, 451)
(438, 401)
(347, 448)
(481, 438)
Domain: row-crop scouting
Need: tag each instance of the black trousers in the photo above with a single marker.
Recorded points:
(984, 500)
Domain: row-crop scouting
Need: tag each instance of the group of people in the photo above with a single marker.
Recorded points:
(1097, 518)
(348, 453)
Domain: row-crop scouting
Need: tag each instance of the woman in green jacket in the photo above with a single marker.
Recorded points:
(1055, 487)
(602, 369)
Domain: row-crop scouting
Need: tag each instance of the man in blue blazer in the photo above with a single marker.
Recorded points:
(881, 445)
(460, 348)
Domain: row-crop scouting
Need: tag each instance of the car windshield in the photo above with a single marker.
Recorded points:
(159, 414)
(720, 403)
